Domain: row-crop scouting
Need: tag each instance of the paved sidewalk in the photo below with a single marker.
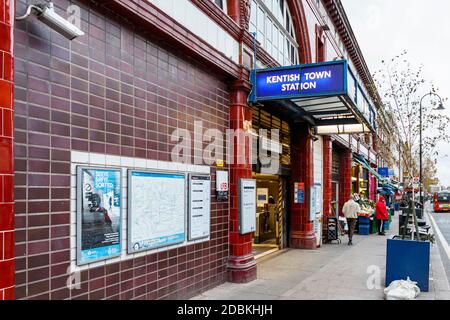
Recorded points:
(333, 272)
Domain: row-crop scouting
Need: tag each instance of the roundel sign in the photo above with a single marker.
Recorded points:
(222, 185)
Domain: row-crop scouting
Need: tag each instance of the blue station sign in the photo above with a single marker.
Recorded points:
(310, 80)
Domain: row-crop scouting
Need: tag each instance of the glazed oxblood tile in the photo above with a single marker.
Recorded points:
(116, 92)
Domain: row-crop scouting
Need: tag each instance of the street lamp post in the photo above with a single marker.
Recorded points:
(440, 108)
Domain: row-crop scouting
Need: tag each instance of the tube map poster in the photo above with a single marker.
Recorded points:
(156, 210)
(98, 214)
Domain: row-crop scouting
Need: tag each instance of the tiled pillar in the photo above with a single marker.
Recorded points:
(345, 178)
(302, 235)
(327, 175)
(6, 150)
(241, 263)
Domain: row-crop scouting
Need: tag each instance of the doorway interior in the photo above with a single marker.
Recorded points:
(271, 231)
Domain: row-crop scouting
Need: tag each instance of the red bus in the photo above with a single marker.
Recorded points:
(442, 201)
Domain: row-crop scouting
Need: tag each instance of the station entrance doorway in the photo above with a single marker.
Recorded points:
(272, 221)
(271, 215)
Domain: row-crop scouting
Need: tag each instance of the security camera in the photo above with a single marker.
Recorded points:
(47, 14)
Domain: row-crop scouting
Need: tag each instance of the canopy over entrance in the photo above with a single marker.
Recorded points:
(327, 95)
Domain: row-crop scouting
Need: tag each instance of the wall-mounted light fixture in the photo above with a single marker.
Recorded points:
(46, 14)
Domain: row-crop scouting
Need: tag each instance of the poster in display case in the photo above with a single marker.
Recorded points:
(247, 206)
(99, 214)
(156, 209)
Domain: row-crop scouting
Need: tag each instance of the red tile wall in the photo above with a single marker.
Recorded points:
(6, 151)
(113, 91)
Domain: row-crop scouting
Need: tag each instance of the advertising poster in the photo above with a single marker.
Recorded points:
(299, 193)
(199, 206)
(315, 205)
(156, 210)
(247, 206)
(98, 214)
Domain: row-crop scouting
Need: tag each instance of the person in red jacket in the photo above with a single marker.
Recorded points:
(381, 215)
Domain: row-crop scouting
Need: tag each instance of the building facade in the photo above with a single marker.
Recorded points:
(113, 99)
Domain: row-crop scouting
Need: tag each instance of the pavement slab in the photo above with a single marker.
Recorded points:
(332, 272)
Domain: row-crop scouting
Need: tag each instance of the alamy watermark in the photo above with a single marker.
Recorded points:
(374, 280)
(243, 146)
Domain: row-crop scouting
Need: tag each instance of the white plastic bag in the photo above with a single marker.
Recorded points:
(402, 290)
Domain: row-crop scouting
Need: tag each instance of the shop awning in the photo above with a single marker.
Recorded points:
(359, 159)
(384, 183)
(327, 95)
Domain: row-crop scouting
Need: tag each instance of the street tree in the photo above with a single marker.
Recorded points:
(401, 86)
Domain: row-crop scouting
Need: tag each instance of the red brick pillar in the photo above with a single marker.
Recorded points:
(241, 263)
(302, 235)
(7, 12)
(327, 175)
(345, 179)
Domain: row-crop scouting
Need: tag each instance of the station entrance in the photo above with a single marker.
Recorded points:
(271, 214)
(271, 189)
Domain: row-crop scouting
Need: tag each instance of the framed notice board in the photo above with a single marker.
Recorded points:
(199, 206)
(247, 206)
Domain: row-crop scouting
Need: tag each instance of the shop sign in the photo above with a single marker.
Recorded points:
(384, 172)
(310, 80)
(247, 206)
(99, 214)
(199, 206)
(222, 186)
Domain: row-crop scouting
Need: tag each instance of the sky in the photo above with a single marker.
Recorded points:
(384, 28)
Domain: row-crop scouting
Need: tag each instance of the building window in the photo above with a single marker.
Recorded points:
(272, 22)
(222, 4)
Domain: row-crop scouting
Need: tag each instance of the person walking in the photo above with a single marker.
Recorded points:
(381, 214)
(350, 211)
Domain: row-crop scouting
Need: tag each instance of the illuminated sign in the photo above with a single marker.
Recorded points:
(319, 79)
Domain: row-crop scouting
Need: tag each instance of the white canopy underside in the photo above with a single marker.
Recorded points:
(334, 115)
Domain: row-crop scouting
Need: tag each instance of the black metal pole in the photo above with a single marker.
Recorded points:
(420, 165)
